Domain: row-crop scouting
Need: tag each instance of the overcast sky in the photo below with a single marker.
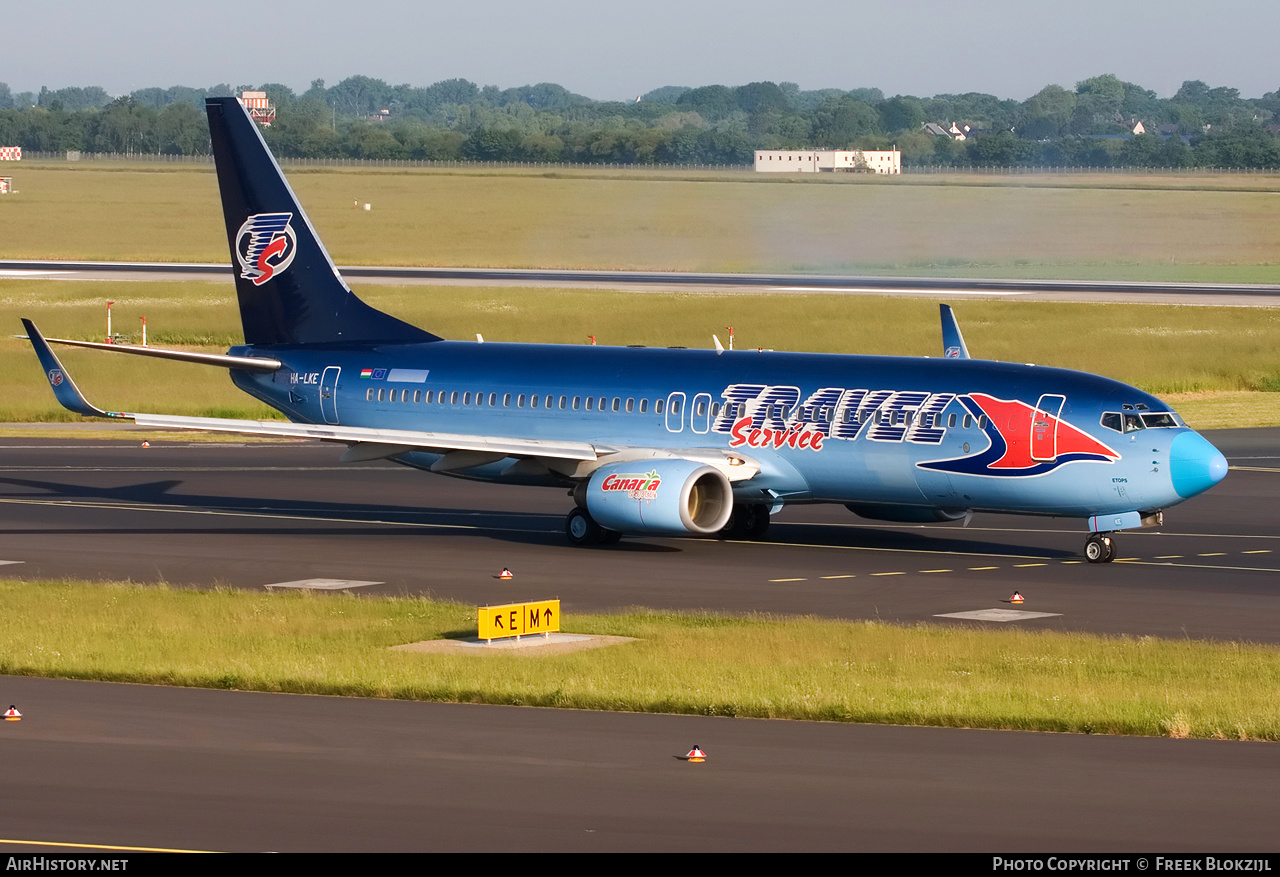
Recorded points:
(1010, 48)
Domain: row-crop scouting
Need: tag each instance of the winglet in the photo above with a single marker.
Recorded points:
(952, 341)
(64, 388)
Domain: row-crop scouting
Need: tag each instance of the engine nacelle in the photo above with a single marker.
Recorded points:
(904, 514)
(672, 496)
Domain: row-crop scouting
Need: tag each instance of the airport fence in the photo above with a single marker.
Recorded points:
(371, 162)
(923, 169)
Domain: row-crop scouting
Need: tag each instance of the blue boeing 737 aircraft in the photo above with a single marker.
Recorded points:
(667, 441)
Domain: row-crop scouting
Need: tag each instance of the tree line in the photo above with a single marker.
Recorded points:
(456, 119)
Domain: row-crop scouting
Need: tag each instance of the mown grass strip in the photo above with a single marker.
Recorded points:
(1219, 367)
(1105, 227)
(757, 666)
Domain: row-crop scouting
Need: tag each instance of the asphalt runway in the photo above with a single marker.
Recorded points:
(1220, 294)
(187, 769)
(257, 514)
(140, 766)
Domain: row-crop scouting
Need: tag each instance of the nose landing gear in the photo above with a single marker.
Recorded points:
(1098, 548)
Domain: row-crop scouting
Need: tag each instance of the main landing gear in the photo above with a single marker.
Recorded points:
(1099, 548)
(582, 529)
(747, 522)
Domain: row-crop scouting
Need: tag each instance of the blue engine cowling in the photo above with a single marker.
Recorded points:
(660, 496)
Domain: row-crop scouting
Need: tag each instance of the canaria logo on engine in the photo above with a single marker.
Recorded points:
(265, 245)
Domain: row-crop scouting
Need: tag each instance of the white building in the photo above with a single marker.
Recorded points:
(867, 161)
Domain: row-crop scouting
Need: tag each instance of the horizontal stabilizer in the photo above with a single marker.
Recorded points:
(952, 341)
(258, 364)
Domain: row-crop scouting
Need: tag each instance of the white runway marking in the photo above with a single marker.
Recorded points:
(998, 615)
(323, 584)
(877, 290)
(7, 562)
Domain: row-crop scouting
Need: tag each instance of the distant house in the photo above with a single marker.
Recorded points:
(955, 131)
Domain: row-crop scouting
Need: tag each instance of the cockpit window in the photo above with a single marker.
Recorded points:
(1131, 421)
(1159, 420)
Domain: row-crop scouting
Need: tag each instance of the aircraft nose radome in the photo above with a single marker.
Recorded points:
(1195, 465)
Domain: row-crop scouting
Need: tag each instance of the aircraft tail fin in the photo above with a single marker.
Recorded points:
(289, 290)
(952, 341)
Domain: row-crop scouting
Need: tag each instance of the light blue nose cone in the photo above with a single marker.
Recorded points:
(1195, 465)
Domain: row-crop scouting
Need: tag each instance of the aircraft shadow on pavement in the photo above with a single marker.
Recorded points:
(931, 542)
(531, 528)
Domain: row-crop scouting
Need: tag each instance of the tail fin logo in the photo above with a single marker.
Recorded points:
(265, 246)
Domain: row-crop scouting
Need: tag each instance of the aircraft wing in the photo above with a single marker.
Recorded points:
(573, 459)
(393, 440)
(953, 346)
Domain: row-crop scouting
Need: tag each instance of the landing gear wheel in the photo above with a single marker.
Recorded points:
(733, 528)
(746, 522)
(756, 521)
(1099, 549)
(582, 530)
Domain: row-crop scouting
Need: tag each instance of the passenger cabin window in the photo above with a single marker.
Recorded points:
(658, 405)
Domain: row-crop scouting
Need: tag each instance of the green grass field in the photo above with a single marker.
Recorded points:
(1219, 365)
(1110, 227)
(765, 667)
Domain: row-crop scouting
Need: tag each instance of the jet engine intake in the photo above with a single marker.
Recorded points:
(660, 496)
